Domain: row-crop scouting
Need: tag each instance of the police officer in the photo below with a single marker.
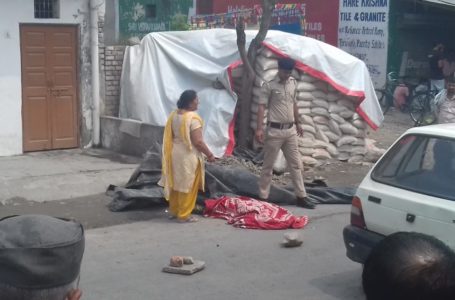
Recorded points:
(282, 130)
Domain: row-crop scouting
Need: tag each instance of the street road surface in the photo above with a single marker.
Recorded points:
(124, 261)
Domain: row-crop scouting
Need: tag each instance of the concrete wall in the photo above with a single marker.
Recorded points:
(12, 14)
(111, 23)
(129, 136)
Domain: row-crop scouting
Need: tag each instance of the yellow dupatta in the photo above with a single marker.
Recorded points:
(167, 181)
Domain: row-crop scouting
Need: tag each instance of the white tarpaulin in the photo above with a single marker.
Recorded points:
(164, 64)
(447, 3)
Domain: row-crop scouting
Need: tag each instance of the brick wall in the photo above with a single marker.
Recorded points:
(113, 61)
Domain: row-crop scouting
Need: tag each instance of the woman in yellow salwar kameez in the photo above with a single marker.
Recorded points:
(182, 160)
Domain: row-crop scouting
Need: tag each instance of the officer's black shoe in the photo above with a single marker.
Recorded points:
(305, 202)
(315, 202)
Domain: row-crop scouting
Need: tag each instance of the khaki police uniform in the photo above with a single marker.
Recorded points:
(281, 134)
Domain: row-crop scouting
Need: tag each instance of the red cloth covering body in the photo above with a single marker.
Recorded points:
(245, 212)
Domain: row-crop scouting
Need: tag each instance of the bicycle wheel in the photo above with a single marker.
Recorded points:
(419, 108)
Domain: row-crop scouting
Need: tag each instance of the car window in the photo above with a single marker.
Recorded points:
(428, 159)
(421, 164)
(391, 162)
(416, 157)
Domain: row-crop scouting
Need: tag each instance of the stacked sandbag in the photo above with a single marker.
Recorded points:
(267, 69)
(332, 128)
(373, 153)
(280, 165)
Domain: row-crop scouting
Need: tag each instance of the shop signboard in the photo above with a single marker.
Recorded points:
(320, 19)
(139, 17)
(363, 32)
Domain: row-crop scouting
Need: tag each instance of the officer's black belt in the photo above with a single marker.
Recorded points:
(280, 125)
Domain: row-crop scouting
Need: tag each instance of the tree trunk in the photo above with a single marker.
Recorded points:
(249, 60)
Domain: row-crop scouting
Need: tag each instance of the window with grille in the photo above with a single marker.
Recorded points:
(47, 9)
(150, 11)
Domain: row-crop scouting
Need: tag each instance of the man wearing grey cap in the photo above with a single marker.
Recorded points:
(40, 258)
(283, 126)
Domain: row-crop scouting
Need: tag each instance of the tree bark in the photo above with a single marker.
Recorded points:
(249, 60)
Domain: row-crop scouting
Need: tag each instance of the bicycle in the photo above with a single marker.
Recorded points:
(420, 107)
(385, 95)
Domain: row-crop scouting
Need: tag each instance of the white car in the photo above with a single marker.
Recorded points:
(411, 188)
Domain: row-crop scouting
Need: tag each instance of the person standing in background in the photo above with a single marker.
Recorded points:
(183, 170)
(448, 65)
(400, 96)
(446, 109)
(435, 58)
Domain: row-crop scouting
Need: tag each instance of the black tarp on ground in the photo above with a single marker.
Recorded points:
(142, 189)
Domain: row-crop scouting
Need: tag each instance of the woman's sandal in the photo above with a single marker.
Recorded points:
(188, 220)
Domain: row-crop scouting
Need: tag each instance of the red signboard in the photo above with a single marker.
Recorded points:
(321, 17)
(220, 7)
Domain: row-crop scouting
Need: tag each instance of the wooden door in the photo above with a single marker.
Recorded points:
(49, 87)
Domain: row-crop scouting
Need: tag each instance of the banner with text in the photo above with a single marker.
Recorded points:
(363, 32)
(321, 20)
(320, 16)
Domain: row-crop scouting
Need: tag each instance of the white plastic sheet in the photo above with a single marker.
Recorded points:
(164, 64)
(446, 3)
(344, 72)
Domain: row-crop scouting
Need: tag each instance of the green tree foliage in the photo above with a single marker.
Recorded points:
(179, 22)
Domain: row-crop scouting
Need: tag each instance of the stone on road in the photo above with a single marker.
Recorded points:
(187, 269)
(125, 262)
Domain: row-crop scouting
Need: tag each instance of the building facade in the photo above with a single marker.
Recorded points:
(52, 48)
(388, 35)
(415, 27)
(46, 77)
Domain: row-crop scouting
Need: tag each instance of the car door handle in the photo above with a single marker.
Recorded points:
(410, 218)
(374, 199)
